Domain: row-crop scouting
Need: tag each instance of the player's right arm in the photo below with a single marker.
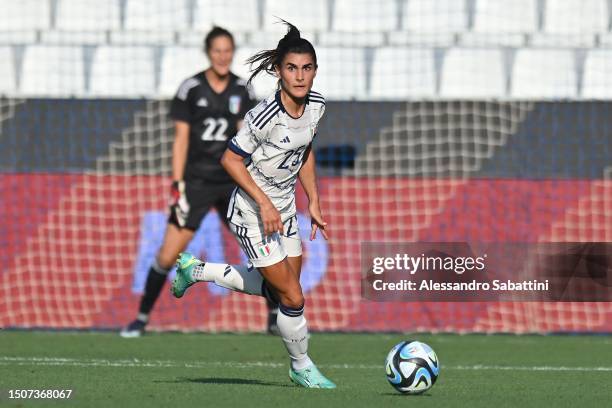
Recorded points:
(246, 141)
(233, 163)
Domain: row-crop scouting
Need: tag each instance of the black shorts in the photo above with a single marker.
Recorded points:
(201, 197)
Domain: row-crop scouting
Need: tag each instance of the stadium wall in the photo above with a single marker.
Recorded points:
(84, 183)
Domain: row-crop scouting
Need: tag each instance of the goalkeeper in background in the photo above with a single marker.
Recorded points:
(207, 108)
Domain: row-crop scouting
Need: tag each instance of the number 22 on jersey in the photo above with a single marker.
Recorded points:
(214, 130)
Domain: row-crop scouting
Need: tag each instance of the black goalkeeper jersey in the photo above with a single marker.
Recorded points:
(213, 120)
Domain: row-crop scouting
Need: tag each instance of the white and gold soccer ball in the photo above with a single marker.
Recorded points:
(412, 367)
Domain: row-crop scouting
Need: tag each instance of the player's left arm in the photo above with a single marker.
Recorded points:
(308, 178)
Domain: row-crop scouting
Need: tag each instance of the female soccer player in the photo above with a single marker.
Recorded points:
(207, 108)
(265, 159)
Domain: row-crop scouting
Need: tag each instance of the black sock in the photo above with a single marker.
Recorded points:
(153, 287)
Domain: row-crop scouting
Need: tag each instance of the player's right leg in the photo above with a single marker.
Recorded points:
(175, 240)
(284, 283)
(274, 279)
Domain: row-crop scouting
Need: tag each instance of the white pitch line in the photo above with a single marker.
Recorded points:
(94, 362)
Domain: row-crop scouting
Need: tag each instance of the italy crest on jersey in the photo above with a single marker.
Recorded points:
(234, 104)
(264, 249)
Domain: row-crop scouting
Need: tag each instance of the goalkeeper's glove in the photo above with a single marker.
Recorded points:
(179, 206)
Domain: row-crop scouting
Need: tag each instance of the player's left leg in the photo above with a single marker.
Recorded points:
(292, 324)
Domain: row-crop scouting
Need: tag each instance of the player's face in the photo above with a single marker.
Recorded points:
(297, 73)
(220, 54)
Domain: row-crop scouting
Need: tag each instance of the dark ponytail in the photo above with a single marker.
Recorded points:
(267, 60)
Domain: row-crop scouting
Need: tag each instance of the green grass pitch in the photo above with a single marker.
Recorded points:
(219, 370)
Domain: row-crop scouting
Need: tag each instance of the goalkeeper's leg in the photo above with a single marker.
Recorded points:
(175, 240)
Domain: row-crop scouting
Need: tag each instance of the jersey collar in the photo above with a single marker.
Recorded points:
(277, 97)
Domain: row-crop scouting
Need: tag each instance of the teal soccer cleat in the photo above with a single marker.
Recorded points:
(310, 377)
(183, 280)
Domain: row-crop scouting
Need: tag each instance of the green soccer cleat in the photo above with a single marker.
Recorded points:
(310, 377)
(183, 280)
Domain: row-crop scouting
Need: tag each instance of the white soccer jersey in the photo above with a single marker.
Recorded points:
(273, 144)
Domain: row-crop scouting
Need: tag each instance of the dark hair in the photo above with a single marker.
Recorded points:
(291, 42)
(214, 33)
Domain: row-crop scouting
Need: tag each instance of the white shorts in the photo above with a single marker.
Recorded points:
(272, 249)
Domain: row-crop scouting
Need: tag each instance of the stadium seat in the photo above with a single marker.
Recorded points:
(137, 37)
(347, 39)
(264, 84)
(405, 37)
(575, 16)
(364, 15)
(605, 40)
(597, 82)
(122, 71)
(57, 37)
(544, 73)
(7, 71)
(473, 73)
(341, 73)
(434, 16)
(502, 16)
(501, 23)
(414, 77)
(18, 37)
(194, 38)
(308, 16)
(178, 64)
(156, 15)
(81, 15)
(269, 39)
(53, 71)
(237, 15)
(25, 14)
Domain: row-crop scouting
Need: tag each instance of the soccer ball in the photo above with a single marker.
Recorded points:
(412, 367)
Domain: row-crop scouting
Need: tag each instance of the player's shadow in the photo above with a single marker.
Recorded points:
(227, 380)
(397, 394)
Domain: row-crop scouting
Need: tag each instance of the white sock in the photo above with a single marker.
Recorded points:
(294, 331)
(235, 277)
